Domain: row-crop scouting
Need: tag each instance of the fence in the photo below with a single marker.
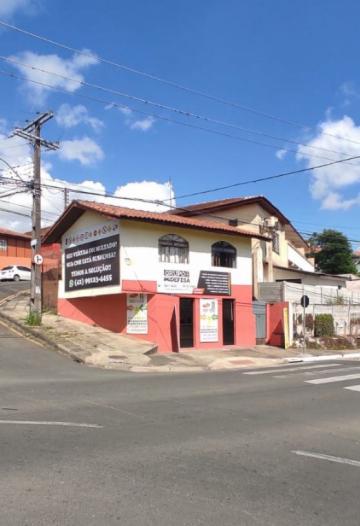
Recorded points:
(318, 295)
(346, 319)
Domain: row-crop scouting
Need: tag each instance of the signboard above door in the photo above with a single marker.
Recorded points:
(215, 283)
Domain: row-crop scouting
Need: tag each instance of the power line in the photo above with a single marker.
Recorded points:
(268, 178)
(168, 82)
(184, 113)
(211, 190)
(154, 115)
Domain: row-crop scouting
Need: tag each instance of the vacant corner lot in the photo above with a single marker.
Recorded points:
(87, 446)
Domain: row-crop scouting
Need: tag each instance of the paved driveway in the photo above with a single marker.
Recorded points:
(89, 447)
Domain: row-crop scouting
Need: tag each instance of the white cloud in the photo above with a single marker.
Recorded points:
(125, 111)
(71, 116)
(143, 124)
(280, 154)
(131, 122)
(70, 68)
(52, 200)
(148, 190)
(328, 184)
(9, 7)
(84, 150)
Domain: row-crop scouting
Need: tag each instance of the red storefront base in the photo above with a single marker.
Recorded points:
(110, 313)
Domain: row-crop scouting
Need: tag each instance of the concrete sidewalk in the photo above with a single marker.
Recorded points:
(99, 347)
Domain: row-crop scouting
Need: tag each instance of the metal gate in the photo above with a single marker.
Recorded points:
(259, 309)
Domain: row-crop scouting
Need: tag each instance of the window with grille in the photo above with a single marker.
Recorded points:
(3, 245)
(223, 255)
(173, 249)
(276, 242)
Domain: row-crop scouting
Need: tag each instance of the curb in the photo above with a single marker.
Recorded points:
(29, 332)
(322, 358)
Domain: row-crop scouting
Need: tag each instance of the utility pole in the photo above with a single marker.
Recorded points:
(32, 133)
(66, 197)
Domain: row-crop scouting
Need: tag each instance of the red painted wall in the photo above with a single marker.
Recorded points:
(163, 316)
(105, 311)
(275, 324)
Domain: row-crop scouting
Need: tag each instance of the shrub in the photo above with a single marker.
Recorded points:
(33, 319)
(324, 325)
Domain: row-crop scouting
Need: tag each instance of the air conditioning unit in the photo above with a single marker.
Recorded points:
(271, 222)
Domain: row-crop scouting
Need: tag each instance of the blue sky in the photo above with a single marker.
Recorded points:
(296, 61)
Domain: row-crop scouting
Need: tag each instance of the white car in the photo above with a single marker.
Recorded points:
(15, 273)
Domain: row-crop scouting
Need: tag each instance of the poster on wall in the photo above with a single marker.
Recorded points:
(137, 314)
(176, 281)
(216, 283)
(209, 320)
(93, 264)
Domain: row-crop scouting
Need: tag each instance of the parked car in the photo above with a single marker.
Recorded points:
(15, 273)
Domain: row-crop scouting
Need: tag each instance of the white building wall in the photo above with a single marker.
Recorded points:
(298, 260)
(139, 258)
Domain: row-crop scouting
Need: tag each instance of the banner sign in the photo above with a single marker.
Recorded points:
(93, 264)
(209, 320)
(137, 314)
(215, 283)
(176, 281)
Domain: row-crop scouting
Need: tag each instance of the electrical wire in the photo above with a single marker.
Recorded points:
(154, 115)
(184, 113)
(182, 87)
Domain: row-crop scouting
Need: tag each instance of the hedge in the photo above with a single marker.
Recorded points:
(324, 325)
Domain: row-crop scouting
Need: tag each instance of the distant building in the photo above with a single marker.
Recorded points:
(14, 248)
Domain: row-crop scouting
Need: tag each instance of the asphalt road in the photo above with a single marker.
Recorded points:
(8, 288)
(197, 449)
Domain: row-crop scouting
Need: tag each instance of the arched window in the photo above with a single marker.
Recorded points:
(223, 255)
(173, 249)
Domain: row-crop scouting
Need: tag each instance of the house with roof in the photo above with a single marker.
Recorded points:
(14, 248)
(280, 257)
(180, 282)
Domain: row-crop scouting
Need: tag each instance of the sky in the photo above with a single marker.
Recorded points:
(271, 87)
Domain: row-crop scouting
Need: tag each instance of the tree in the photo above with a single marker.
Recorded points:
(332, 252)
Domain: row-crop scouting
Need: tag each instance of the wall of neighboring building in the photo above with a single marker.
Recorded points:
(299, 260)
(14, 251)
(308, 279)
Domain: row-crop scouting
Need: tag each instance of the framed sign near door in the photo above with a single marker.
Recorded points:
(209, 320)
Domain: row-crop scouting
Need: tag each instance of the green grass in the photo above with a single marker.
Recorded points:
(33, 319)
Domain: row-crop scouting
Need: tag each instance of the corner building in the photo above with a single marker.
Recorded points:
(175, 281)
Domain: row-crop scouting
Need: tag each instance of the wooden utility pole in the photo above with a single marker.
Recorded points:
(66, 197)
(32, 133)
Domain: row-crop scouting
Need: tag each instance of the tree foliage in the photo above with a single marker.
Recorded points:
(332, 252)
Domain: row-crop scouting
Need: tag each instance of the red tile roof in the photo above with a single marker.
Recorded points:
(208, 207)
(13, 233)
(77, 208)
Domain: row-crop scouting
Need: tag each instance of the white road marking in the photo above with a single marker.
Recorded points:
(332, 379)
(46, 423)
(324, 371)
(339, 460)
(290, 369)
(353, 388)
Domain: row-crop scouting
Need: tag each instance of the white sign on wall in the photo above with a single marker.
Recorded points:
(176, 281)
(209, 320)
(137, 314)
